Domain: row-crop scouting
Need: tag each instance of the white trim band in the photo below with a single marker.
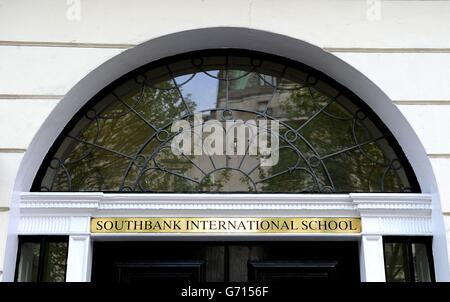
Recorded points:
(70, 213)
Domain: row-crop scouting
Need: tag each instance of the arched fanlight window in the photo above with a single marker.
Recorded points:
(226, 121)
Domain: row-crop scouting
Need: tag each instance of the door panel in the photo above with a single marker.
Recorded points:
(158, 271)
(292, 271)
(138, 261)
(225, 261)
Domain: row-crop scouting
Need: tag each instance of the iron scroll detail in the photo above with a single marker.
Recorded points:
(329, 141)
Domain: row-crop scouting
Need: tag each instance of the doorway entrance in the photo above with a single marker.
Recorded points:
(137, 262)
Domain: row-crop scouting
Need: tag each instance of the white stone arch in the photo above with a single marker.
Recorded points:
(229, 37)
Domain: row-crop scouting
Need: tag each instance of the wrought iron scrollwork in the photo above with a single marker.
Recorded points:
(328, 141)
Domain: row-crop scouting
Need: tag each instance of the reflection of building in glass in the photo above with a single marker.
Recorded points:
(251, 92)
(249, 96)
(327, 143)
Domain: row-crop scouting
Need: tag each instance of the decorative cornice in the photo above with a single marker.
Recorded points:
(59, 213)
(321, 202)
(388, 205)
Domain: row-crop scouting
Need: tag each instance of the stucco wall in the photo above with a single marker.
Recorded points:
(47, 46)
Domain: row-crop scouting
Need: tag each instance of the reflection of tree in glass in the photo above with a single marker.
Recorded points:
(397, 263)
(122, 143)
(156, 168)
(328, 127)
(123, 130)
(210, 185)
(56, 262)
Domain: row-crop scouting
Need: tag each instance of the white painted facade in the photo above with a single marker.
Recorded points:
(55, 55)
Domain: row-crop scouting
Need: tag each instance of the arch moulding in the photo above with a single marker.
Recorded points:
(241, 38)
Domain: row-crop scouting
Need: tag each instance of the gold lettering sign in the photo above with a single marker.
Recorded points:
(225, 225)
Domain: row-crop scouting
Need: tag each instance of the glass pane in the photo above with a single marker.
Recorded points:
(29, 262)
(397, 265)
(421, 263)
(226, 123)
(55, 262)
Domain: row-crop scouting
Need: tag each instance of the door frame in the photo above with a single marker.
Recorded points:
(229, 242)
(70, 214)
(22, 221)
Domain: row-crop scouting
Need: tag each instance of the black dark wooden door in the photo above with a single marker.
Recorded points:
(225, 261)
